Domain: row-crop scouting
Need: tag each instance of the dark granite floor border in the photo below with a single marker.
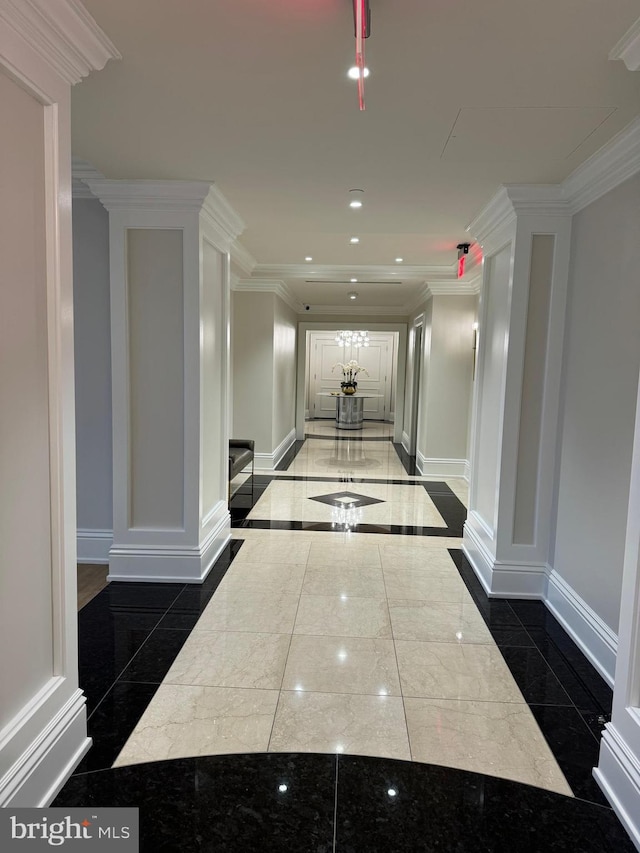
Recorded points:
(446, 502)
(408, 462)
(310, 803)
(569, 699)
(128, 637)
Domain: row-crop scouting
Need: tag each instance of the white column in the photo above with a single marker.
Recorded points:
(169, 269)
(618, 771)
(44, 49)
(525, 234)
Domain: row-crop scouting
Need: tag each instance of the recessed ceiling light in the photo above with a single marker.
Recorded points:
(308, 258)
(354, 72)
(355, 198)
(354, 240)
(352, 295)
(353, 280)
(399, 260)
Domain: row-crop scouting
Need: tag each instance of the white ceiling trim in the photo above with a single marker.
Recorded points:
(394, 272)
(497, 217)
(217, 207)
(252, 285)
(150, 195)
(81, 172)
(177, 196)
(423, 295)
(538, 199)
(242, 258)
(613, 164)
(63, 32)
(462, 287)
(628, 48)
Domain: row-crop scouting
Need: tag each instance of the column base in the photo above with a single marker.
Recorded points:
(618, 774)
(169, 565)
(502, 579)
(45, 742)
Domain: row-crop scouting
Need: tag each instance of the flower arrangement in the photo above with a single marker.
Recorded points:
(350, 369)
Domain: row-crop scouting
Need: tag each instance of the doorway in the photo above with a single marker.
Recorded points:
(379, 359)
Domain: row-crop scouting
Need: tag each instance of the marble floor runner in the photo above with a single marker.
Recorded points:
(337, 643)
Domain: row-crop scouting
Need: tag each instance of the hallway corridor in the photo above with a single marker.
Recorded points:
(342, 620)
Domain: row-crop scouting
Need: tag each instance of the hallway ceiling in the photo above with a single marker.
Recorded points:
(253, 95)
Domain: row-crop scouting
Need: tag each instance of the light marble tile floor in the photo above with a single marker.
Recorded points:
(314, 652)
(346, 642)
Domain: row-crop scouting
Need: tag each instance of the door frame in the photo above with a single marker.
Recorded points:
(303, 328)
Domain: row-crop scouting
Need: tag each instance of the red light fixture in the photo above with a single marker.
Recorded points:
(362, 24)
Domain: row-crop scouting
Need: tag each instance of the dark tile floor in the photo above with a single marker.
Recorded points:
(569, 699)
(307, 803)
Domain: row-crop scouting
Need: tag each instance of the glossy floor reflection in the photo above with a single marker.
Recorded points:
(317, 634)
(309, 803)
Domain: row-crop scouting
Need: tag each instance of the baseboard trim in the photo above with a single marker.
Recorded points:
(501, 579)
(478, 555)
(58, 741)
(269, 461)
(406, 441)
(593, 636)
(93, 545)
(170, 565)
(618, 774)
(435, 467)
(467, 470)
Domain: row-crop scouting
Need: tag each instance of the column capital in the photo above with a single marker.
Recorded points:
(493, 226)
(174, 196)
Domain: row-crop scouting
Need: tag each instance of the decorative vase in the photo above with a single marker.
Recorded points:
(349, 387)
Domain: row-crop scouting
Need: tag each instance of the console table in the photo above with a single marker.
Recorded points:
(349, 408)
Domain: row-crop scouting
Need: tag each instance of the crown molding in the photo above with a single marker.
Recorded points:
(63, 33)
(150, 195)
(180, 196)
(242, 258)
(493, 226)
(538, 199)
(422, 295)
(460, 287)
(393, 272)
(219, 211)
(81, 172)
(252, 285)
(628, 48)
(614, 163)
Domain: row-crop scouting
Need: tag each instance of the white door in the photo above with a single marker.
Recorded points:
(377, 358)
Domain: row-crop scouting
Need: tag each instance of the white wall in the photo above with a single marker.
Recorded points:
(213, 345)
(491, 369)
(43, 732)
(445, 384)
(451, 367)
(252, 345)
(92, 334)
(25, 511)
(155, 326)
(600, 379)
(285, 323)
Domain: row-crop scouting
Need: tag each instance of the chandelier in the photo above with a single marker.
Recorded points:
(346, 338)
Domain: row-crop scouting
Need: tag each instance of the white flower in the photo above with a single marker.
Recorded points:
(350, 369)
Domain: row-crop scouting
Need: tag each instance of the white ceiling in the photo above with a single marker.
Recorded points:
(253, 94)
